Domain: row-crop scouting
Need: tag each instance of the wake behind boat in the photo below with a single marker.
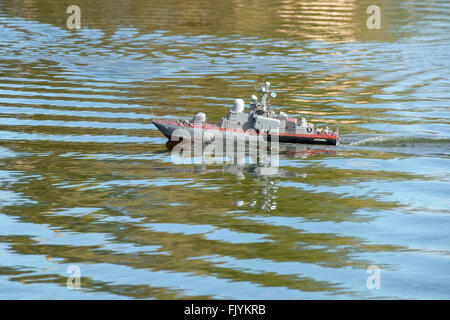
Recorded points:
(259, 121)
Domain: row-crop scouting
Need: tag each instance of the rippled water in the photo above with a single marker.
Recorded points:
(86, 178)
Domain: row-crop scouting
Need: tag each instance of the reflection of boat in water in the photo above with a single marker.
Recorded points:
(264, 175)
(260, 121)
(287, 150)
(305, 151)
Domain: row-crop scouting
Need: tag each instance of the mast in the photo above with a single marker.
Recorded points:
(265, 92)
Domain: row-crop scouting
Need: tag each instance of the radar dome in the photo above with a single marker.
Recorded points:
(283, 115)
(238, 105)
(200, 117)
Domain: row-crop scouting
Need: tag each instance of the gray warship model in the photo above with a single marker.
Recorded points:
(260, 120)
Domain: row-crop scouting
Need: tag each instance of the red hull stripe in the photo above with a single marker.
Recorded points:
(217, 128)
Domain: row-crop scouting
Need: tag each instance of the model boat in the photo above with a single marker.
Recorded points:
(259, 120)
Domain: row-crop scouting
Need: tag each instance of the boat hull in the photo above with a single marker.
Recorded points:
(169, 127)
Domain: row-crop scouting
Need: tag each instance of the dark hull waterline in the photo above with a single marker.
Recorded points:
(168, 127)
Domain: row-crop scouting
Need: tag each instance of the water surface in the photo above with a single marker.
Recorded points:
(87, 180)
